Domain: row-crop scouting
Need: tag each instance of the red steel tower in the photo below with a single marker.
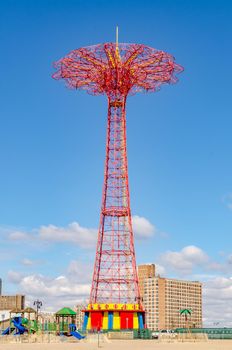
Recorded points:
(116, 70)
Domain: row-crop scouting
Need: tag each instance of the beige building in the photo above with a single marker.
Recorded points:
(10, 302)
(163, 298)
(145, 271)
(79, 315)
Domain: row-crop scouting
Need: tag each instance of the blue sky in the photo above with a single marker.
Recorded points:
(52, 143)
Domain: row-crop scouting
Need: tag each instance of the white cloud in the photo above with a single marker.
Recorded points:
(19, 236)
(79, 271)
(185, 260)
(54, 292)
(217, 305)
(142, 227)
(214, 266)
(74, 233)
(61, 286)
(29, 262)
(160, 270)
(67, 289)
(195, 254)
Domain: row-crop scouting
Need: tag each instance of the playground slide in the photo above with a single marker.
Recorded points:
(77, 335)
(21, 329)
(31, 329)
(6, 331)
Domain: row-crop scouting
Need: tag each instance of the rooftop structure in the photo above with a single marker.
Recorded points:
(145, 271)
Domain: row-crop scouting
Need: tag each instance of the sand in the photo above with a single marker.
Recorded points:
(124, 344)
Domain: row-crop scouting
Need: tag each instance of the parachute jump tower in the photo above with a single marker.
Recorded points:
(116, 70)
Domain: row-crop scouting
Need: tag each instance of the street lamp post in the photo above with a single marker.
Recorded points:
(38, 305)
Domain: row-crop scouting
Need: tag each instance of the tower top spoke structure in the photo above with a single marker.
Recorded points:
(116, 70)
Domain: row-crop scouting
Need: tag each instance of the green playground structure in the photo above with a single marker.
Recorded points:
(64, 325)
(19, 325)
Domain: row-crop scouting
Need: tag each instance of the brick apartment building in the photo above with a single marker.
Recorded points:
(163, 298)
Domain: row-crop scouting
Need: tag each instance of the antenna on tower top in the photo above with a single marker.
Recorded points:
(116, 35)
(116, 46)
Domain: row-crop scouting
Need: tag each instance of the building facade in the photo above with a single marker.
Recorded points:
(145, 271)
(79, 315)
(163, 298)
(10, 302)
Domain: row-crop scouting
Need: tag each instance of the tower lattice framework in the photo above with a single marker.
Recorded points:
(116, 70)
(115, 277)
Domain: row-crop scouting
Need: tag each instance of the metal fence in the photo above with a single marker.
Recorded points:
(213, 333)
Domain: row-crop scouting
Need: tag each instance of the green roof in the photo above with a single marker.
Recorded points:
(66, 311)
